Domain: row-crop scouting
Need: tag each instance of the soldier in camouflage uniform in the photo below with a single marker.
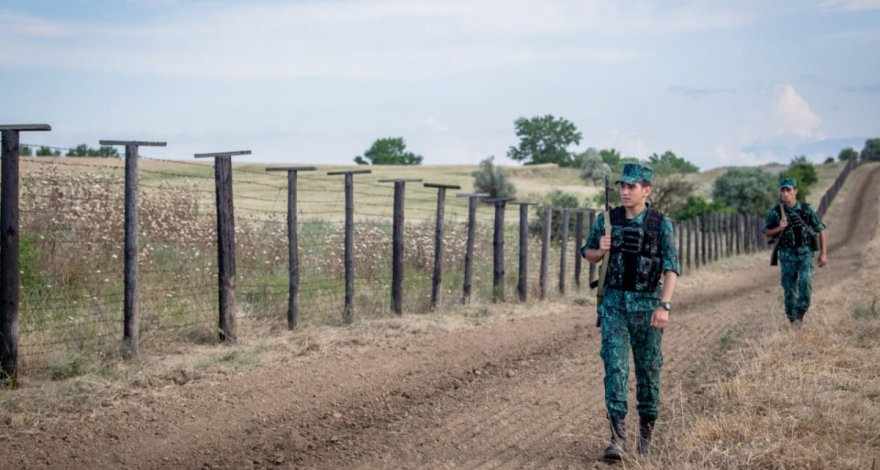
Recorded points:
(635, 307)
(797, 241)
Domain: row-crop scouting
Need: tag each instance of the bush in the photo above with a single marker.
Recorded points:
(556, 199)
(697, 206)
(492, 180)
(805, 174)
(747, 190)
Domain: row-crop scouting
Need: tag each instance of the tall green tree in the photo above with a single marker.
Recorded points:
(671, 163)
(492, 179)
(804, 172)
(388, 151)
(545, 139)
(25, 150)
(871, 151)
(611, 157)
(847, 154)
(747, 190)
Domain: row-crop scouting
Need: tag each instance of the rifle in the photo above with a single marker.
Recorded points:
(603, 270)
(774, 255)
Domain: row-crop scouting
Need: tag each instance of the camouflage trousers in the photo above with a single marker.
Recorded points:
(797, 285)
(622, 331)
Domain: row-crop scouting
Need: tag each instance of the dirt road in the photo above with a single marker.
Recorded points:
(516, 390)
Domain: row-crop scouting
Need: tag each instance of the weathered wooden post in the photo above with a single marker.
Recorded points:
(225, 240)
(690, 231)
(563, 247)
(737, 225)
(498, 248)
(10, 286)
(469, 247)
(716, 226)
(348, 256)
(438, 240)
(522, 285)
(545, 250)
(578, 243)
(130, 326)
(592, 265)
(292, 244)
(703, 238)
(397, 242)
(679, 227)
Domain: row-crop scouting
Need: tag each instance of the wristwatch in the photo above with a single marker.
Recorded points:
(666, 305)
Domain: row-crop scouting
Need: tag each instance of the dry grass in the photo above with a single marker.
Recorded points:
(789, 398)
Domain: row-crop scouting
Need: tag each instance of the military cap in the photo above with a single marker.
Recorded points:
(789, 183)
(635, 173)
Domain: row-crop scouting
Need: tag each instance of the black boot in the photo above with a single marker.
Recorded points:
(646, 427)
(617, 446)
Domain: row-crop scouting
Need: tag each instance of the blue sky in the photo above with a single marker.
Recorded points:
(719, 83)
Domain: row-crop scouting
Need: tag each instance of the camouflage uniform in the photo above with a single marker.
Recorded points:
(796, 262)
(626, 323)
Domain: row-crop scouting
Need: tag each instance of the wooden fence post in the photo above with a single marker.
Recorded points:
(522, 285)
(545, 250)
(130, 326)
(9, 265)
(703, 238)
(578, 243)
(679, 227)
(292, 244)
(690, 230)
(348, 255)
(592, 275)
(397, 242)
(563, 247)
(438, 240)
(498, 249)
(225, 240)
(469, 247)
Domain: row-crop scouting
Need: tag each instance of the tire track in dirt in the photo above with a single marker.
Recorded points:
(519, 392)
(532, 439)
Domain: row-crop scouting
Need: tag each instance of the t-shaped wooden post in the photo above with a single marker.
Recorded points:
(9, 267)
(225, 239)
(292, 244)
(130, 327)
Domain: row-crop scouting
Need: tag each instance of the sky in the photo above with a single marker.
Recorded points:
(316, 82)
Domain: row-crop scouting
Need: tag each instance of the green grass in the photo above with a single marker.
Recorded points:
(866, 311)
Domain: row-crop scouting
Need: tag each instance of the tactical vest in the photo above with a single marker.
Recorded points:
(798, 234)
(635, 263)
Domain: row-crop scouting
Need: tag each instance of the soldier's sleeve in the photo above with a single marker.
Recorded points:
(596, 232)
(668, 250)
(817, 224)
(771, 221)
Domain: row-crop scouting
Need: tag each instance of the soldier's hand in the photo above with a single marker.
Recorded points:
(823, 259)
(783, 224)
(605, 243)
(660, 318)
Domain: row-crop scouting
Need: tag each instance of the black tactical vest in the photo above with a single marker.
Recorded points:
(636, 263)
(797, 234)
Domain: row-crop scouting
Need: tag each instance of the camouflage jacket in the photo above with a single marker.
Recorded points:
(772, 221)
(637, 301)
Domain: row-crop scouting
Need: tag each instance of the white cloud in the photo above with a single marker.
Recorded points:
(850, 5)
(17, 25)
(793, 114)
(349, 38)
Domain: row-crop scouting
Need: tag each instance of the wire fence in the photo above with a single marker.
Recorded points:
(71, 252)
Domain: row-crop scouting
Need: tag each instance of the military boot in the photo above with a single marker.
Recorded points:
(617, 446)
(646, 427)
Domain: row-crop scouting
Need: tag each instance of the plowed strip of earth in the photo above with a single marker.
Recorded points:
(516, 390)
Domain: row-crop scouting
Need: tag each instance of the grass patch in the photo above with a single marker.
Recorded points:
(866, 311)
